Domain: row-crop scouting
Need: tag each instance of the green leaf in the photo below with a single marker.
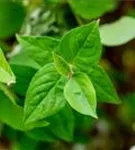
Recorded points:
(24, 69)
(118, 32)
(39, 48)
(81, 47)
(103, 85)
(80, 94)
(11, 18)
(45, 94)
(61, 65)
(6, 74)
(89, 9)
(85, 123)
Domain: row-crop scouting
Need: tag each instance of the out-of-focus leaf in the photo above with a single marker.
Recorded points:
(118, 32)
(24, 69)
(11, 18)
(90, 9)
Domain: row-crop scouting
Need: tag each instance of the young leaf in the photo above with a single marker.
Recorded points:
(119, 32)
(81, 46)
(80, 94)
(45, 94)
(39, 48)
(90, 10)
(61, 65)
(103, 85)
(6, 74)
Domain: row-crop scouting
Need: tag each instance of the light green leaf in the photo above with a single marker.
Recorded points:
(39, 48)
(61, 65)
(118, 32)
(103, 85)
(6, 74)
(81, 46)
(90, 9)
(80, 94)
(11, 18)
(45, 94)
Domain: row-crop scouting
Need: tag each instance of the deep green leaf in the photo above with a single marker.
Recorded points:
(62, 124)
(6, 74)
(39, 48)
(42, 134)
(118, 32)
(103, 85)
(24, 143)
(45, 94)
(81, 46)
(80, 94)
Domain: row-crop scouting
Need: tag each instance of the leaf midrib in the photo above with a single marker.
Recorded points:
(88, 36)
